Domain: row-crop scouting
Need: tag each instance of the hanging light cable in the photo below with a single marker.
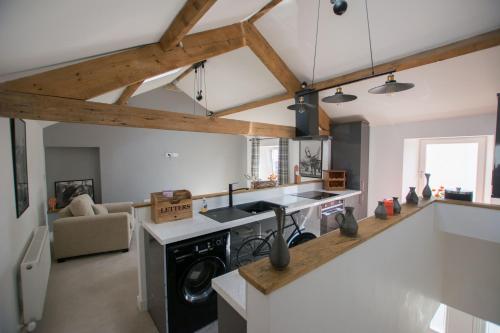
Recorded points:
(391, 85)
(300, 104)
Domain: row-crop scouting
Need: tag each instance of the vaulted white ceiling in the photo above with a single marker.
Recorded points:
(462, 86)
(234, 78)
(36, 34)
(42, 33)
(398, 28)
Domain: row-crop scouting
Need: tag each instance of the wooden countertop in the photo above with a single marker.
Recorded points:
(309, 256)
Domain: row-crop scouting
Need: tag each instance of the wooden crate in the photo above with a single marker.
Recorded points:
(334, 180)
(165, 209)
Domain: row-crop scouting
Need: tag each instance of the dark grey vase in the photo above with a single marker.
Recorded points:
(397, 205)
(381, 211)
(279, 255)
(427, 193)
(412, 197)
(348, 224)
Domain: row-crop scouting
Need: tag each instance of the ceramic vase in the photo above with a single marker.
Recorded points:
(279, 255)
(348, 224)
(412, 197)
(427, 193)
(397, 205)
(381, 211)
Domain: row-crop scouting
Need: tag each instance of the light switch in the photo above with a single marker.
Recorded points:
(171, 155)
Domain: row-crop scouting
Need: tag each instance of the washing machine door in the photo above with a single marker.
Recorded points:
(196, 283)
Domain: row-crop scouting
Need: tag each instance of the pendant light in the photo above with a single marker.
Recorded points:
(300, 104)
(391, 85)
(339, 97)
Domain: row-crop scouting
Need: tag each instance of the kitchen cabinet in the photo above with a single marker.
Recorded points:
(350, 152)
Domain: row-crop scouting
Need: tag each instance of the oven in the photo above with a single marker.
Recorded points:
(329, 211)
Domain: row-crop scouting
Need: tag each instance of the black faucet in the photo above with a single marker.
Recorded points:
(231, 192)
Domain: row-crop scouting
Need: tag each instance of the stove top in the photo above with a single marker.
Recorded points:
(315, 195)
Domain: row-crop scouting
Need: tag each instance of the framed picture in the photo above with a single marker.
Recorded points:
(20, 159)
(311, 158)
(66, 190)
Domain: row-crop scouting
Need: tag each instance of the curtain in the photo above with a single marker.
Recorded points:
(255, 158)
(283, 177)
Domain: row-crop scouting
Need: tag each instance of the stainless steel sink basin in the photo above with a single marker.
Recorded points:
(227, 214)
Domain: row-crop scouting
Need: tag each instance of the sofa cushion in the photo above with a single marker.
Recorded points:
(65, 212)
(100, 209)
(81, 206)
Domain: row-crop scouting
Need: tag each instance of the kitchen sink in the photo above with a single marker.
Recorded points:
(257, 207)
(227, 214)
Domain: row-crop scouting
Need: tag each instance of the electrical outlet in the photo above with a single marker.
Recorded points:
(171, 155)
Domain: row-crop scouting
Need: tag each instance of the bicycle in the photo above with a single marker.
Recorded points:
(256, 247)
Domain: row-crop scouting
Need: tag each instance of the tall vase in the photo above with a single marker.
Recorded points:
(397, 205)
(412, 197)
(381, 211)
(279, 255)
(427, 193)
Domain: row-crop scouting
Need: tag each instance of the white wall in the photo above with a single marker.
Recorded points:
(386, 149)
(395, 281)
(15, 234)
(371, 288)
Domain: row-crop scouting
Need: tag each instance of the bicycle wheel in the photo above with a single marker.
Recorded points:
(301, 238)
(251, 250)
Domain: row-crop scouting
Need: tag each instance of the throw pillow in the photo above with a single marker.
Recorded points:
(81, 206)
(100, 209)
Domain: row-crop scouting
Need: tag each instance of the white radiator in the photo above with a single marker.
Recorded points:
(35, 269)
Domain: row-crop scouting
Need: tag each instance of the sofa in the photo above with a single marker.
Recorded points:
(84, 227)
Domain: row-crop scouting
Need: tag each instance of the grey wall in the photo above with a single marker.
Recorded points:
(63, 163)
(133, 162)
(15, 234)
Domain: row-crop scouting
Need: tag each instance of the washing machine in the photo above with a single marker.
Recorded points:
(190, 266)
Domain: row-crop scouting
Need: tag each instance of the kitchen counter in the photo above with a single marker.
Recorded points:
(198, 225)
(232, 288)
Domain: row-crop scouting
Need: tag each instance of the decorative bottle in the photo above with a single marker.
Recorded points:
(397, 205)
(427, 193)
(381, 211)
(279, 255)
(412, 197)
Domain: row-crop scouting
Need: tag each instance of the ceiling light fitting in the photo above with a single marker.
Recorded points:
(339, 6)
(300, 105)
(391, 86)
(339, 97)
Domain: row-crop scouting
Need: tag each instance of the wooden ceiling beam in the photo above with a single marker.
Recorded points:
(264, 10)
(95, 77)
(127, 93)
(38, 107)
(456, 49)
(185, 20)
(254, 104)
(259, 45)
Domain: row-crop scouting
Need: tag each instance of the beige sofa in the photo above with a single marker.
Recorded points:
(110, 228)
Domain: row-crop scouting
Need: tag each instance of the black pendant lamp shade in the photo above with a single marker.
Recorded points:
(391, 86)
(339, 97)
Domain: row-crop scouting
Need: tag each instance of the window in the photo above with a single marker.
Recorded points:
(268, 161)
(454, 162)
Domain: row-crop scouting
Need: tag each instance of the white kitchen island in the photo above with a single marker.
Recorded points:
(227, 286)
